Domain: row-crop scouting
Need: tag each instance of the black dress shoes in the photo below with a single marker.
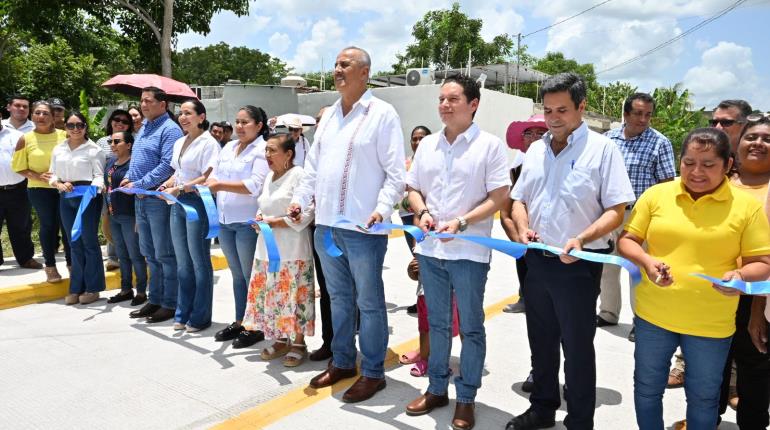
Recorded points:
(121, 297)
(139, 298)
(145, 311)
(162, 314)
(247, 338)
(229, 333)
(321, 354)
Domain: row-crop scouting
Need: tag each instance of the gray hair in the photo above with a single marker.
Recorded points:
(364, 57)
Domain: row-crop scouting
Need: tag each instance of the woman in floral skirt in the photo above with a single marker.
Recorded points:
(281, 304)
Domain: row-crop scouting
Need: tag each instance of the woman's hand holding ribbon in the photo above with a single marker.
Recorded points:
(659, 273)
(727, 277)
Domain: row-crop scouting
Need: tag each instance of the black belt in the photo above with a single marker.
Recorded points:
(12, 186)
(550, 254)
(76, 183)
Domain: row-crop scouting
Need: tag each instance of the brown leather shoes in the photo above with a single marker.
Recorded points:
(364, 388)
(463, 419)
(426, 403)
(331, 375)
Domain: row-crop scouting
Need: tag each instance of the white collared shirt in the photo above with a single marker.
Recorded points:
(84, 163)
(25, 128)
(300, 149)
(566, 193)
(249, 167)
(8, 139)
(200, 155)
(356, 163)
(453, 180)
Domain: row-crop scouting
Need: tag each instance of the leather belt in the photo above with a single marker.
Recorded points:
(12, 186)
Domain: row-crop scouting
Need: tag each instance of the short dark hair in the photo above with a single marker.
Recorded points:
(115, 113)
(471, 88)
(226, 125)
(286, 142)
(18, 97)
(127, 136)
(215, 124)
(644, 97)
(742, 105)
(421, 127)
(570, 82)
(159, 94)
(710, 137)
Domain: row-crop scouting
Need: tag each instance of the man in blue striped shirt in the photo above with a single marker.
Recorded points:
(149, 168)
(649, 159)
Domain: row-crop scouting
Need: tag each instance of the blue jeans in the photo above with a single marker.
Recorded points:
(46, 204)
(152, 222)
(468, 279)
(705, 361)
(87, 273)
(239, 242)
(355, 278)
(126, 241)
(193, 260)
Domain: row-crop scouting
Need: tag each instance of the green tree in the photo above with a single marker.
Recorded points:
(443, 38)
(152, 24)
(611, 97)
(674, 115)
(215, 64)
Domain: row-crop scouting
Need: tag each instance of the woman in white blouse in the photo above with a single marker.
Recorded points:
(282, 304)
(193, 158)
(80, 161)
(237, 179)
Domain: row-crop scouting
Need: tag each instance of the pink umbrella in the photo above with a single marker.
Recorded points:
(132, 85)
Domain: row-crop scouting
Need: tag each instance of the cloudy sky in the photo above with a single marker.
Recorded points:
(728, 58)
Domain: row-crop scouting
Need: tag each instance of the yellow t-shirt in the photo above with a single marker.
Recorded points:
(36, 154)
(703, 236)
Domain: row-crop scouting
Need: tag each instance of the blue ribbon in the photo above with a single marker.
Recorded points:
(273, 256)
(190, 213)
(211, 210)
(513, 249)
(88, 192)
(759, 287)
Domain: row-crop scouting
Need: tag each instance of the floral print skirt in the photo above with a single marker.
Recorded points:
(281, 303)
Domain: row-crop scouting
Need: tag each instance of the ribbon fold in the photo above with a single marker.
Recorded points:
(211, 210)
(273, 256)
(759, 287)
(88, 192)
(190, 213)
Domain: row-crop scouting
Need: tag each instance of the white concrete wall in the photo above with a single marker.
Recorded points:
(419, 106)
(275, 100)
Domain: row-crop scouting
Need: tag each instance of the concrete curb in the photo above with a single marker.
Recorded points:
(45, 292)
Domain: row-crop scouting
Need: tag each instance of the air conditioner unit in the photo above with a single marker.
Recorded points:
(422, 76)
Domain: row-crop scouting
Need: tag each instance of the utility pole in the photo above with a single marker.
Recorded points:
(518, 61)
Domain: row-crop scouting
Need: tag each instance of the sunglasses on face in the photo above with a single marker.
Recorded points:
(537, 134)
(724, 122)
(75, 125)
(122, 121)
(116, 141)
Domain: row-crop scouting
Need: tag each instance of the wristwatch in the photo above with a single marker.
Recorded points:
(423, 212)
(463, 223)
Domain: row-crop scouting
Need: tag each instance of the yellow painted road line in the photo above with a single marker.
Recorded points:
(303, 397)
(40, 292)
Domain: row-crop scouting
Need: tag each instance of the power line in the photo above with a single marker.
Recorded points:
(567, 19)
(676, 38)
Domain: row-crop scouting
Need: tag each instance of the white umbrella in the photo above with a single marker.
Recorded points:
(307, 120)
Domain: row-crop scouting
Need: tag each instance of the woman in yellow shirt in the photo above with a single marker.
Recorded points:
(32, 159)
(697, 223)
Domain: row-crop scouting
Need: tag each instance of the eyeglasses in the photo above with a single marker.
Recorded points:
(122, 121)
(75, 125)
(530, 133)
(116, 141)
(724, 122)
(759, 116)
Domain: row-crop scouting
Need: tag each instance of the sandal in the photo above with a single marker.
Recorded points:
(410, 357)
(273, 351)
(420, 368)
(296, 355)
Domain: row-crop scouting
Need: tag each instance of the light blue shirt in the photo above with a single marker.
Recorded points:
(566, 193)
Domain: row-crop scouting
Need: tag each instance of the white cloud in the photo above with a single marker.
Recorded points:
(326, 39)
(279, 43)
(499, 20)
(726, 71)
